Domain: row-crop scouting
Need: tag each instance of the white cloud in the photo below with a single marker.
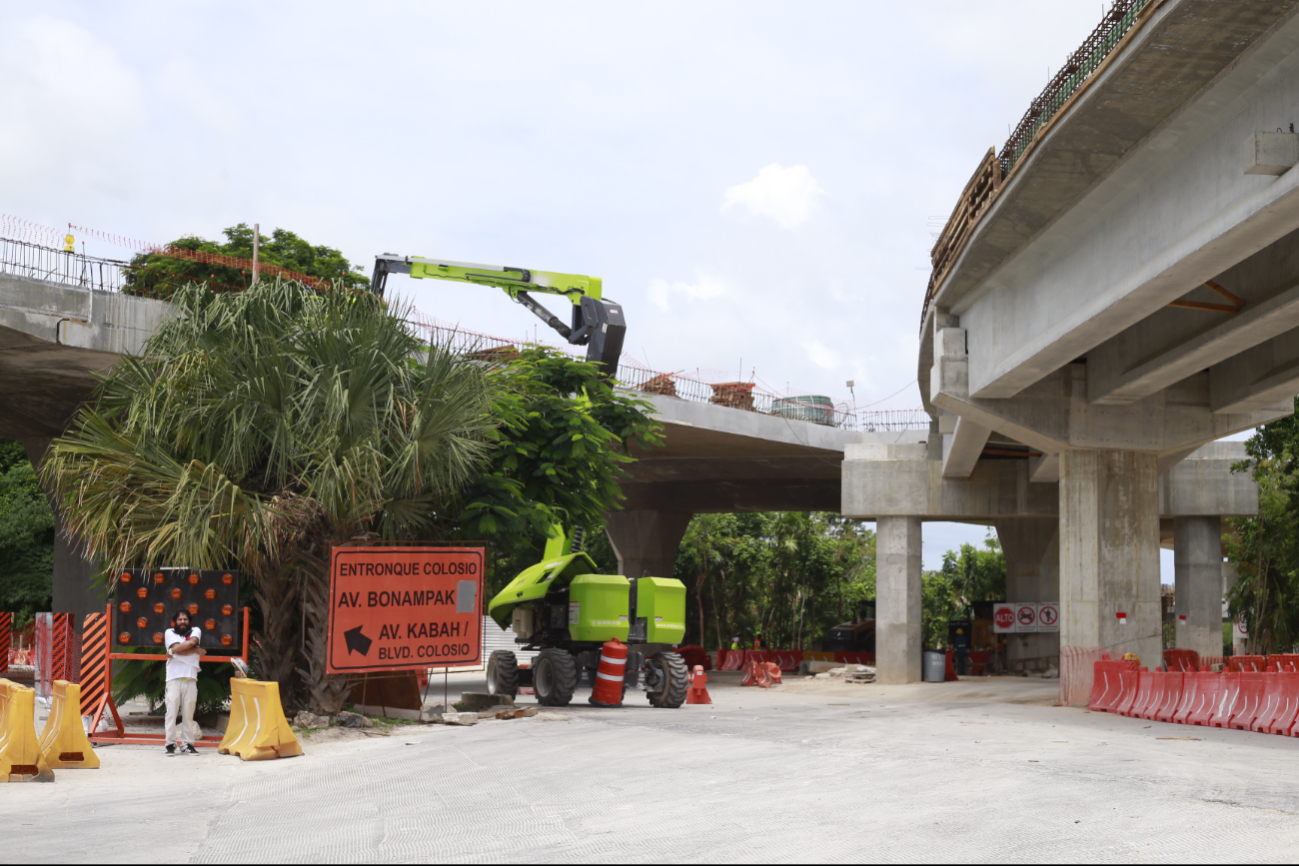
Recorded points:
(787, 195)
(818, 354)
(661, 292)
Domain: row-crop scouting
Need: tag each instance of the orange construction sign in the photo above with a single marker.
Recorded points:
(394, 607)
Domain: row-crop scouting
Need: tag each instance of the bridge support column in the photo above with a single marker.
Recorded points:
(1109, 553)
(897, 600)
(1032, 549)
(646, 541)
(74, 572)
(1197, 567)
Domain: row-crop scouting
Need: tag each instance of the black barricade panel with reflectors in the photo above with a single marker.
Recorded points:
(146, 599)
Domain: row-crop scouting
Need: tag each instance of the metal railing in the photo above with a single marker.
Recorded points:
(986, 184)
(49, 265)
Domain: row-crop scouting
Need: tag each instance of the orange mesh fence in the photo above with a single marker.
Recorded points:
(1077, 674)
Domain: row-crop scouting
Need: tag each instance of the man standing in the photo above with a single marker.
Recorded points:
(183, 653)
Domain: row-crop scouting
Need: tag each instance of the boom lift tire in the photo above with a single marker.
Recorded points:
(554, 677)
(502, 674)
(669, 680)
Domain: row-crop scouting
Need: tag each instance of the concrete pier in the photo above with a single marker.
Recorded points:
(1109, 552)
(897, 600)
(1032, 549)
(646, 541)
(1197, 565)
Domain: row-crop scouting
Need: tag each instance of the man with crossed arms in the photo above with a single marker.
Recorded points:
(183, 654)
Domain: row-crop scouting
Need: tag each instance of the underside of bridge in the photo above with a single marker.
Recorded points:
(1117, 289)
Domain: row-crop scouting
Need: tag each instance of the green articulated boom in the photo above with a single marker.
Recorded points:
(563, 608)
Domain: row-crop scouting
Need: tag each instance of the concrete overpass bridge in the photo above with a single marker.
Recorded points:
(1116, 289)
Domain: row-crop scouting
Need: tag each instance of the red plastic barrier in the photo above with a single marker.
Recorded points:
(1272, 702)
(734, 661)
(1172, 696)
(1241, 664)
(1158, 687)
(1127, 692)
(1190, 688)
(1181, 660)
(1283, 662)
(1284, 721)
(1142, 697)
(1106, 691)
(787, 660)
(1228, 697)
(1207, 688)
(759, 656)
(1250, 702)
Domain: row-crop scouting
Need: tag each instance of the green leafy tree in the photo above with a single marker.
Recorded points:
(1265, 548)
(557, 456)
(976, 575)
(26, 537)
(159, 276)
(260, 427)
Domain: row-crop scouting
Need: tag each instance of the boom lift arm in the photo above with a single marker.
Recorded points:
(597, 323)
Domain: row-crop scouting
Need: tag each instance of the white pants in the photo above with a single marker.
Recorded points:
(182, 694)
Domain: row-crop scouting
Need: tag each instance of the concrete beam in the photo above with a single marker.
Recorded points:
(1264, 375)
(962, 448)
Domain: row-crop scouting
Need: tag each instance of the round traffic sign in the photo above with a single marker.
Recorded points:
(1027, 614)
(1047, 615)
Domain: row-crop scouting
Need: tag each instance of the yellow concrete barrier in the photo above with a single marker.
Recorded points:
(258, 730)
(63, 742)
(20, 751)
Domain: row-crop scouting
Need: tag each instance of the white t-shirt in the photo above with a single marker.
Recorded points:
(181, 665)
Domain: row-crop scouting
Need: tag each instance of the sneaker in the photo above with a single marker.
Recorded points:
(171, 751)
(190, 750)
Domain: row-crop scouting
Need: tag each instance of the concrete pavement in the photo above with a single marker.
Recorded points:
(981, 770)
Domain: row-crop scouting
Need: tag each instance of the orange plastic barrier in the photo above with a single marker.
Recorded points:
(734, 661)
(1283, 662)
(1127, 692)
(1207, 688)
(1172, 696)
(1181, 660)
(1273, 702)
(1106, 690)
(1142, 696)
(1190, 693)
(1284, 720)
(1239, 664)
(759, 656)
(1250, 702)
(761, 674)
(1155, 697)
(1228, 696)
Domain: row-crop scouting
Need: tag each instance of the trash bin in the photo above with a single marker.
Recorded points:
(935, 666)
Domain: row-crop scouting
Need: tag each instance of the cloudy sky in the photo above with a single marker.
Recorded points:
(758, 183)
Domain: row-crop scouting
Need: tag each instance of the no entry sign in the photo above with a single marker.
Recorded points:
(1025, 617)
(399, 607)
(1048, 616)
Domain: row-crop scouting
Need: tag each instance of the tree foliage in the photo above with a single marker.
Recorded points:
(1265, 548)
(557, 457)
(785, 576)
(258, 428)
(160, 276)
(26, 537)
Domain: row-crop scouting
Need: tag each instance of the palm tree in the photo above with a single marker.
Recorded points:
(260, 427)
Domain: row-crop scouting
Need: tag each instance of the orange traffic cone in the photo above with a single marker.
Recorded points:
(609, 676)
(698, 693)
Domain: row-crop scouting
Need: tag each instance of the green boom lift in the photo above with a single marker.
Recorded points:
(560, 606)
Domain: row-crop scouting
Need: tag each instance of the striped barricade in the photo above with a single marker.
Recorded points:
(94, 663)
(20, 750)
(6, 638)
(1228, 695)
(257, 730)
(1190, 688)
(734, 661)
(1247, 664)
(787, 661)
(1283, 722)
(1154, 697)
(1283, 662)
(1106, 690)
(63, 741)
(1181, 660)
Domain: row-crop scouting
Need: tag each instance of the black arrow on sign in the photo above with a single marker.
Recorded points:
(357, 641)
